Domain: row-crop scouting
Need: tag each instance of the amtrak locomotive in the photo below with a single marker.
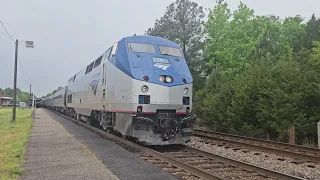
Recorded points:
(141, 87)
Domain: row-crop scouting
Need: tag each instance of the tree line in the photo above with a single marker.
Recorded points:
(53, 92)
(253, 75)
(24, 96)
(21, 95)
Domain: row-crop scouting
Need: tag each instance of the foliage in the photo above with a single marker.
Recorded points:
(183, 24)
(263, 74)
(53, 92)
(21, 96)
(234, 39)
(312, 33)
(13, 137)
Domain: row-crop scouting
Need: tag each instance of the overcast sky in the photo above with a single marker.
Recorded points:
(68, 34)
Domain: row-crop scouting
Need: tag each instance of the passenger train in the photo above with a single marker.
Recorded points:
(140, 87)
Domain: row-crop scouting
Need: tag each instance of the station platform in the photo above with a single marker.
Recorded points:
(59, 149)
(52, 153)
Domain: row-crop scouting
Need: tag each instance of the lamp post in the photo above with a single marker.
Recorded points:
(29, 44)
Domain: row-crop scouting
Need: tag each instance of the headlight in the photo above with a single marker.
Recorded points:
(144, 89)
(169, 79)
(161, 78)
(186, 90)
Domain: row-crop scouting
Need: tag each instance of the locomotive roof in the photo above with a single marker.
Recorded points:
(151, 39)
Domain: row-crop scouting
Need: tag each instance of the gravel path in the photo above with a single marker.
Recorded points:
(266, 160)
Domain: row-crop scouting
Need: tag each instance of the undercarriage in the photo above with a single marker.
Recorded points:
(163, 128)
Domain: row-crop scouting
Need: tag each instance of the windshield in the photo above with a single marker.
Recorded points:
(171, 51)
(141, 48)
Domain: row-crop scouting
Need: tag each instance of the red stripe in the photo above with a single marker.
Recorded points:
(130, 112)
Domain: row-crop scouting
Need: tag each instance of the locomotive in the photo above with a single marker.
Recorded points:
(140, 87)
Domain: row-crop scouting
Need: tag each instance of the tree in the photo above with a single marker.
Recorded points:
(236, 38)
(183, 24)
(261, 80)
(312, 32)
(21, 96)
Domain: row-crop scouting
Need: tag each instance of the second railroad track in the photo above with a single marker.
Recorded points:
(305, 154)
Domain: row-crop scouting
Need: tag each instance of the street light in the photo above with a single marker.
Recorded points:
(29, 44)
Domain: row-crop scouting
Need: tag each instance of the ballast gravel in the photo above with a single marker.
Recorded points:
(270, 161)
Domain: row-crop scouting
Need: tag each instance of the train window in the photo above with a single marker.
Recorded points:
(74, 78)
(171, 51)
(98, 61)
(87, 70)
(90, 67)
(141, 48)
(69, 100)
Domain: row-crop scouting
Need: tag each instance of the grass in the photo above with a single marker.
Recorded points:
(13, 137)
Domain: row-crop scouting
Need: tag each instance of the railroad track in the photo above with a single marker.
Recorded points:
(189, 163)
(304, 154)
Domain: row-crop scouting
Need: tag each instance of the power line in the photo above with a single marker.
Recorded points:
(22, 73)
(7, 31)
(14, 42)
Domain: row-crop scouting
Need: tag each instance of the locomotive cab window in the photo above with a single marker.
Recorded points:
(87, 70)
(98, 61)
(141, 48)
(90, 67)
(171, 51)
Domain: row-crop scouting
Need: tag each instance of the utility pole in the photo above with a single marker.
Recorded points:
(30, 97)
(33, 103)
(29, 44)
(15, 83)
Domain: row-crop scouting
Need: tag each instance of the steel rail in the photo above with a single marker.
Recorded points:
(245, 166)
(298, 147)
(191, 169)
(269, 148)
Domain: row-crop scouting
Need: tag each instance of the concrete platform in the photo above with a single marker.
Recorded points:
(52, 153)
(59, 149)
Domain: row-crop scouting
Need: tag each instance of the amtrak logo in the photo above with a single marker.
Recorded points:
(94, 85)
(161, 63)
(162, 66)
